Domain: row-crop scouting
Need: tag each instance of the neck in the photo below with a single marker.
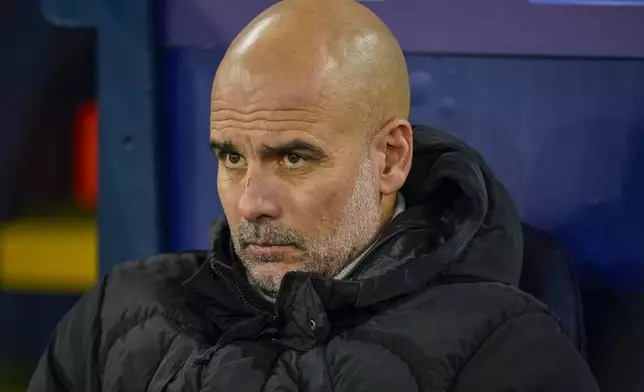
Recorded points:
(387, 208)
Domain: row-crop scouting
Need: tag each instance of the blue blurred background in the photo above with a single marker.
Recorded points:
(551, 94)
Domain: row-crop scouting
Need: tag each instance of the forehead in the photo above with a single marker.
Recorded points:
(238, 86)
(276, 117)
(276, 98)
(271, 106)
(257, 124)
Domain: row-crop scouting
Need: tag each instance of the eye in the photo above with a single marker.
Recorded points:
(293, 161)
(234, 161)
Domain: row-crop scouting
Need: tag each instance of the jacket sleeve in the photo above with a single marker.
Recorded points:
(70, 361)
(527, 353)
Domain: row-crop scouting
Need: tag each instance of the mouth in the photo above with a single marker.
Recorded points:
(268, 249)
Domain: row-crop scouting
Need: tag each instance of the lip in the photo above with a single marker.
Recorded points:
(268, 249)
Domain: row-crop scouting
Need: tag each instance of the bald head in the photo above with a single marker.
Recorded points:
(334, 52)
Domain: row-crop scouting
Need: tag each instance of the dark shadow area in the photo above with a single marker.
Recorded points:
(27, 321)
(42, 177)
(48, 75)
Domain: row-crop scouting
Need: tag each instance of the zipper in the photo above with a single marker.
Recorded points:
(240, 291)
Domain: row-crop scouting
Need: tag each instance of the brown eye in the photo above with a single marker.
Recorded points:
(234, 161)
(234, 158)
(293, 161)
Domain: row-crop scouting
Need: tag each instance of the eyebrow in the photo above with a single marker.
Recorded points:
(294, 146)
(297, 146)
(222, 146)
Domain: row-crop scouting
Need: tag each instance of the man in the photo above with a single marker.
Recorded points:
(343, 263)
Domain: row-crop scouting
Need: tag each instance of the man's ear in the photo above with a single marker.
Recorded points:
(394, 147)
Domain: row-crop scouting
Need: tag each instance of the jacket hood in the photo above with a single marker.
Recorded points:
(460, 225)
(478, 216)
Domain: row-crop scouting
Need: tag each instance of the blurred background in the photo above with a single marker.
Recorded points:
(550, 91)
(48, 180)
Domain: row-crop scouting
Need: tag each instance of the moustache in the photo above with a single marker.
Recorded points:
(253, 233)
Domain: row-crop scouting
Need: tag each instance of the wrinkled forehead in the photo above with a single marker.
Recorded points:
(301, 100)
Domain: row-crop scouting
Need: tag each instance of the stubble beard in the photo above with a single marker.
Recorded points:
(326, 256)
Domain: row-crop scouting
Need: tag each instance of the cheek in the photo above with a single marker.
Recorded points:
(321, 205)
(228, 196)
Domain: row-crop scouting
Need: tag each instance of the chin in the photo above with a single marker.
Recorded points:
(269, 274)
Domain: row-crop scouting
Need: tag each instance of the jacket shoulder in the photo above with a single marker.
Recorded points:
(442, 327)
(472, 312)
(160, 271)
(140, 290)
(487, 299)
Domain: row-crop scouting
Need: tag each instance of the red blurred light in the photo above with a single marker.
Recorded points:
(86, 156)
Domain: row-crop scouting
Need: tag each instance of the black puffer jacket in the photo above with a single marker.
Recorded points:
(433, 307)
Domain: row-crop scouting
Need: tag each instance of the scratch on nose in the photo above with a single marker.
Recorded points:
(248, 182)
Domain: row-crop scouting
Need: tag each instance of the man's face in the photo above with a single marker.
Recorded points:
(295, 183)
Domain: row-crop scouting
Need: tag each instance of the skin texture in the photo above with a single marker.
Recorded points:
(309, 115)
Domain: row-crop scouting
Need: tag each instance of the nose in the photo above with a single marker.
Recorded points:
(259, 199)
